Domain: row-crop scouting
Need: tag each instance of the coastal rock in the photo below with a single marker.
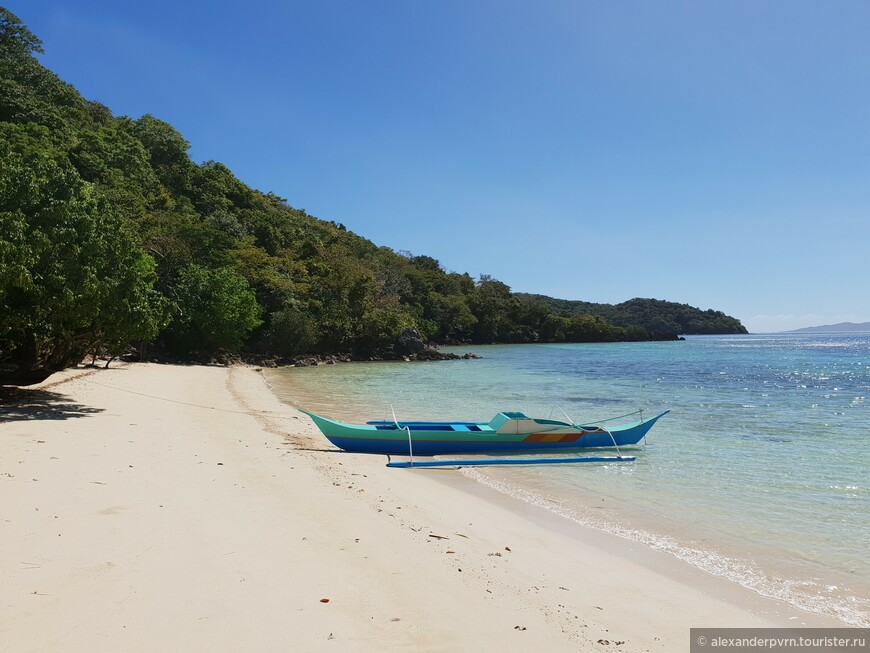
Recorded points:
(432, 354)
(390, 353)
(410, 342)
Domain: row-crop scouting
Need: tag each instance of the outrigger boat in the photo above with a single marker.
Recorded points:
(506, 433)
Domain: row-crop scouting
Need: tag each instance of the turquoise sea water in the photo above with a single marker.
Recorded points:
(760, 474)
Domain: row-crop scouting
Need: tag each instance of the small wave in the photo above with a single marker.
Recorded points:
(804, 594)
(594, 401)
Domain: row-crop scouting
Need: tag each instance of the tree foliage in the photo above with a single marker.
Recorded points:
(215, 309)
(73, 281)
(16, 41)
(659, 319)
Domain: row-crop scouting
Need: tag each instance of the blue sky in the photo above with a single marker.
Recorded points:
(713, 153)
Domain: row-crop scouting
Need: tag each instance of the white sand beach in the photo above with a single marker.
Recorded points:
(184, 508)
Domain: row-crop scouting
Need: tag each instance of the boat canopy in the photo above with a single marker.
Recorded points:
(506, 422)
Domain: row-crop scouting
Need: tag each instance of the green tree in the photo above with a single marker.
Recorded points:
(135, 311)
(71, 279)
(382, 323)
(491, 305)
(168, 153)
(454, 319)
(291, 331)
(216, 310)
(16, 41)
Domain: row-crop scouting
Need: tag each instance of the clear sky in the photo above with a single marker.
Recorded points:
(712, 153)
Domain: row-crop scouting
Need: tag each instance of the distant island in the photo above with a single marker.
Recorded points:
(111, 237)
(840, 327)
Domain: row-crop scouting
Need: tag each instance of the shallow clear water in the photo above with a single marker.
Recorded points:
(759, 474)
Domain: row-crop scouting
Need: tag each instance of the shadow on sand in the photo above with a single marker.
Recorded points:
(318, 450)
(17, 404)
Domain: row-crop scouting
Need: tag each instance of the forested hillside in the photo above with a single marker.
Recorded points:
(110, 235)
(661, 319)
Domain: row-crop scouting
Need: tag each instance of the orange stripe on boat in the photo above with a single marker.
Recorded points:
(551, 437)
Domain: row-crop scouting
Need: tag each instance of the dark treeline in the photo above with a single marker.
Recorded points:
(111, 236)
(660, 319)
